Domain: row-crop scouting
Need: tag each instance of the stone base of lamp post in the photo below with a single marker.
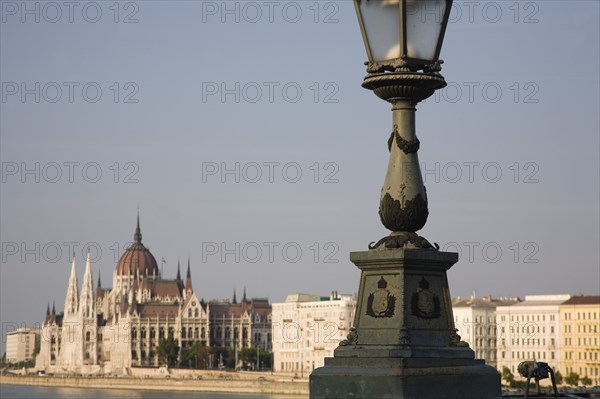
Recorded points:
(404, 343)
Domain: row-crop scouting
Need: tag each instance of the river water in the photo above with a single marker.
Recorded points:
(36, 392)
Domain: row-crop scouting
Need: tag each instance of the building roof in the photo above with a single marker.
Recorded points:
(137, 259)
(255, 306)
(224, 309)
(543, 300)
(24, 331)
(100, 292)
(486, 302)
(335, 296)
(165, 288)
(302, 298)
(159, 310)
(472, 302)
(583, 300)
(54, 319)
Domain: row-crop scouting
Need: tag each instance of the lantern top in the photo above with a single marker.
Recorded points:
(403, 35)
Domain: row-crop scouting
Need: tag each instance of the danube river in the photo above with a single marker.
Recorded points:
(38, 392)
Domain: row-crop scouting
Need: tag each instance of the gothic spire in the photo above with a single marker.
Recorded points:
(86, 302)
(244, 297)
(234, 297)
(48, 310)
(188, 278)
(137, 237)
(53, 308)
(72, 299)
(99, 282)
(178, 271)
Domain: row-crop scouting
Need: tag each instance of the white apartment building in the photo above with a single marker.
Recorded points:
(21, 344)
(307, 328)
(475, 319)
(529, 330)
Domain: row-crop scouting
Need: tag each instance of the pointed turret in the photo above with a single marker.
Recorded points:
(53, 309)
(234, 298)
(188, 278)
(137, 237)
(244, 300)
(72, 299)
(99, 295)
(47, 318)
(178, 271)
(86, 302)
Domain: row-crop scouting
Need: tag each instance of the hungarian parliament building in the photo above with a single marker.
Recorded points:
(110, 330)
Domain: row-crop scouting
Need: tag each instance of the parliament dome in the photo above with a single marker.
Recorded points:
(137, 258)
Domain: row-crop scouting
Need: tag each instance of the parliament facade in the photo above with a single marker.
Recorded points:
(110, 330)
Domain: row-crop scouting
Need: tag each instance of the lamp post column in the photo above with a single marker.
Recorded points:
(403, 204)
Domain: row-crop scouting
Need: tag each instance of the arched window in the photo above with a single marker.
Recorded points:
(196, 312)
(190, 312)
(183, 331)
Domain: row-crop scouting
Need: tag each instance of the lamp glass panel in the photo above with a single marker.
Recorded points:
(381, 19)
(424, 20)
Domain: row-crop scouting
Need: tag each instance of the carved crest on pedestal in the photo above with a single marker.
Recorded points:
(424, 303)
(381, 303)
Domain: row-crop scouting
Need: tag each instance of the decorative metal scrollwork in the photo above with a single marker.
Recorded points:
(408, 147)
(351, 338)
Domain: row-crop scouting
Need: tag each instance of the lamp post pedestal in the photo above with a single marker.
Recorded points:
(404, 343)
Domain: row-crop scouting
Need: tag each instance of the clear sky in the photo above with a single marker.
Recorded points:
(242, 133)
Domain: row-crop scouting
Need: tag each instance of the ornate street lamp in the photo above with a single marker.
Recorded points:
(403, 35)
(403, 39)
(404, 343)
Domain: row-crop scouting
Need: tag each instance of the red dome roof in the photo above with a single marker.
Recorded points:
(137, 258)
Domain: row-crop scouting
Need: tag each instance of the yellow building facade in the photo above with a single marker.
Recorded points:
(580, 324)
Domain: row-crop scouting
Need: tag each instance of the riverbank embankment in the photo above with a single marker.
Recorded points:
(223, 383)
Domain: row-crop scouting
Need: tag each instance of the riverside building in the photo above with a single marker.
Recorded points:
(530, 331)
(307, 328)
(475, 319)
(21, 344)
(580, 341)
